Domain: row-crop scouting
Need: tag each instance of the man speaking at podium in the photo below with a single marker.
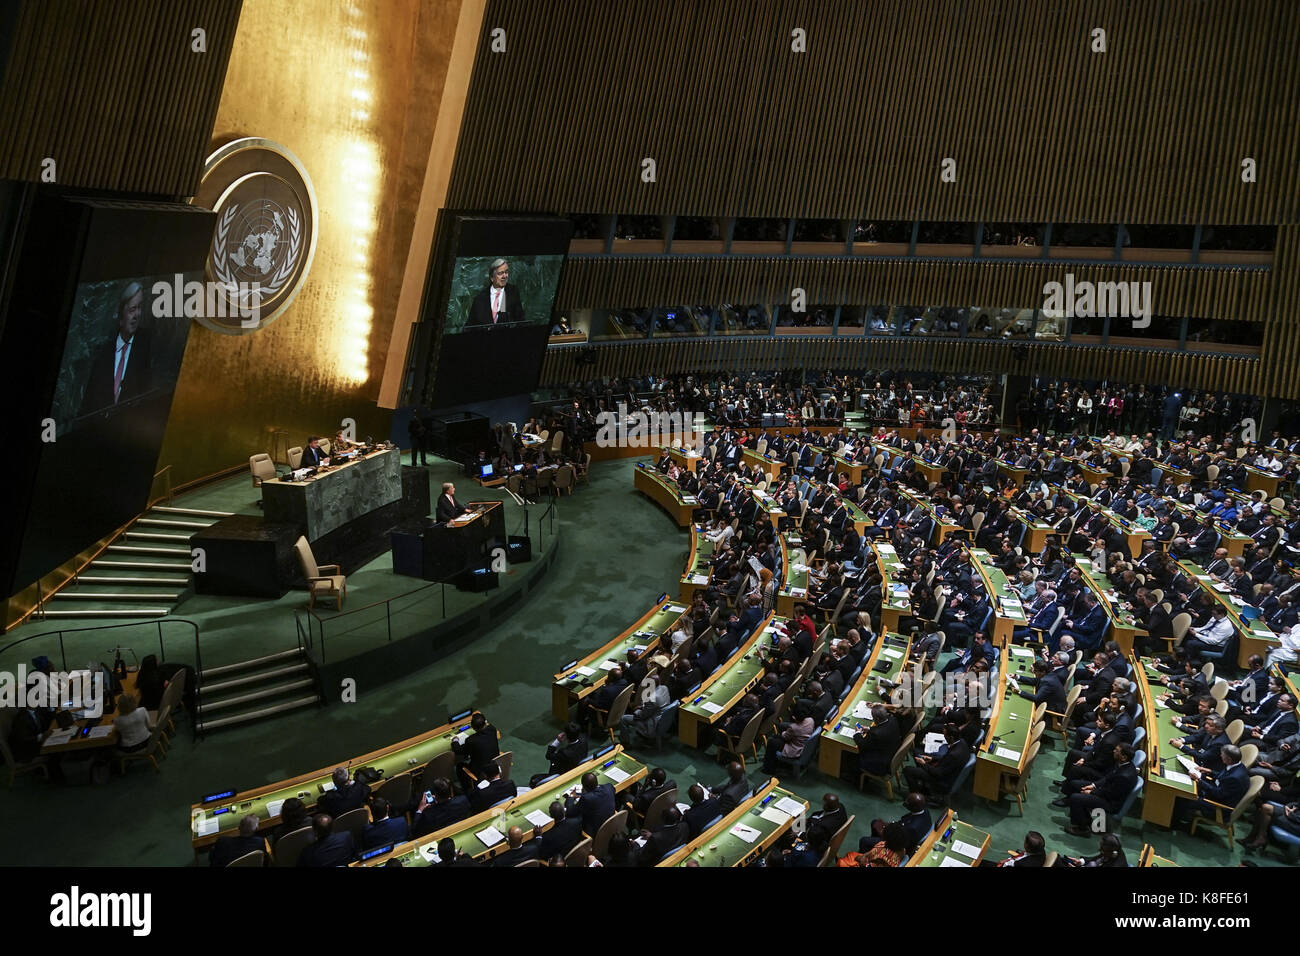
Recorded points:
(448, 506)
(499, 303)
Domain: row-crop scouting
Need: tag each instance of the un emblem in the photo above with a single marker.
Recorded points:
(265, 238)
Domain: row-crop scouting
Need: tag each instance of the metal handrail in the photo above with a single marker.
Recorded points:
(162, 648)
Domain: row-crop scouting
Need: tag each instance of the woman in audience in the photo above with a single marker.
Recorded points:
(132, 725)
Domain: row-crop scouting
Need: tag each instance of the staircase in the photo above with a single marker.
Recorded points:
(142, 574)
(255, 689)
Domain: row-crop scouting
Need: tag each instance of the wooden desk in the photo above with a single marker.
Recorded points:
(939, 848)
(941, 525)
(794, 583)
(611, 766)
(1149, 858)
(685, 459)
(1036, 531)
(696, 576)
(837, 737)
(1253, 637)
(770, 466)
(1017, 475)
(648, 632)
(1162, 757)
(1124, 627)
(1008, 611)
(1006, 745)
(896, 600)
(1257, 480)
(665, 494)
(1134, 535)
(264, 802)
(102, 739)
(733, 679)
(719, 846)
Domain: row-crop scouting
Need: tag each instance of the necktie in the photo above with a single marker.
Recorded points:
(121, 369)
(496, 304)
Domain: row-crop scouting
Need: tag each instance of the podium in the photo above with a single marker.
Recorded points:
(458, 552)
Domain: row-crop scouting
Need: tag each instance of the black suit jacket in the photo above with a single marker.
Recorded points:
(701, 814)
(560, 838)
(480, 310)
(593, 808)
(947, 767)
(480, 798)
(878, 745)
(340, 801)
(137, 377)
(521, 854)
(448, 508)
(436, 816)
(230, 848)
(311, 457)
(337, 849)
(479, 749)
(1115, 786)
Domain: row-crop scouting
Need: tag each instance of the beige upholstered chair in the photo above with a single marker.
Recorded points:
(262, 467)
(295, 457)
(322, 580)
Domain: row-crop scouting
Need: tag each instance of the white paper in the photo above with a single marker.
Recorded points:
(1177, 777)
(103, 730)
(862, 710)
(711, 707)
(206, 826)
(1187, 762)
(430, 852)
(787, 805)
(607, 665)
(699, 579)
(779, 817)
(1008, 754)
(965, 849)
(933, 742)
(1021, 652)
(748, 834)
(327, 786)
(490, 837)
(799, 592)
(59, 737)
(689, 500)
(586, 671)
(273, 808)
(538, 818)
(683, 807)
(951, 861)
(617, 774)
(676, 609)
(891, 652)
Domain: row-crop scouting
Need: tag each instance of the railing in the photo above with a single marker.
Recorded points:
(85, 649)
(397, 617)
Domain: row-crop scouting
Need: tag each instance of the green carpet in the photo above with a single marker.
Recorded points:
(619, 552)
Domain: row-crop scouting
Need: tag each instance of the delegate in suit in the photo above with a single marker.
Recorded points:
(122, 368)
(499, 303)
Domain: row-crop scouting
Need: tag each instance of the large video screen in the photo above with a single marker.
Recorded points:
(106, 291)
(498, 277)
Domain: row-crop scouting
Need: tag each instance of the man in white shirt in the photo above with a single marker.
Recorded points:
(1288, 652)
(1212, 636)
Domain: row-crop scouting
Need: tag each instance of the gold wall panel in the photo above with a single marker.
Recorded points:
(351, 88)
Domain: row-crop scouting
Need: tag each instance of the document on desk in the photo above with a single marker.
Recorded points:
(1007, 754)
(102, 730)
(689, 500)
(952, 861)
(586, 671)
(748, 834)
(1021, 652)
(676, 608)
(862, 710)
(891, 652)
(59, 737)
(792, 807)
(711, 707)
(489, 837)
(699, 579)
(933, 742)
(607, 665)
(965, 849)
(773, 815)
(206, 826)
(1177, 777)
(617, 774)
(273, 808)
(1187, 762)
(538, 818)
